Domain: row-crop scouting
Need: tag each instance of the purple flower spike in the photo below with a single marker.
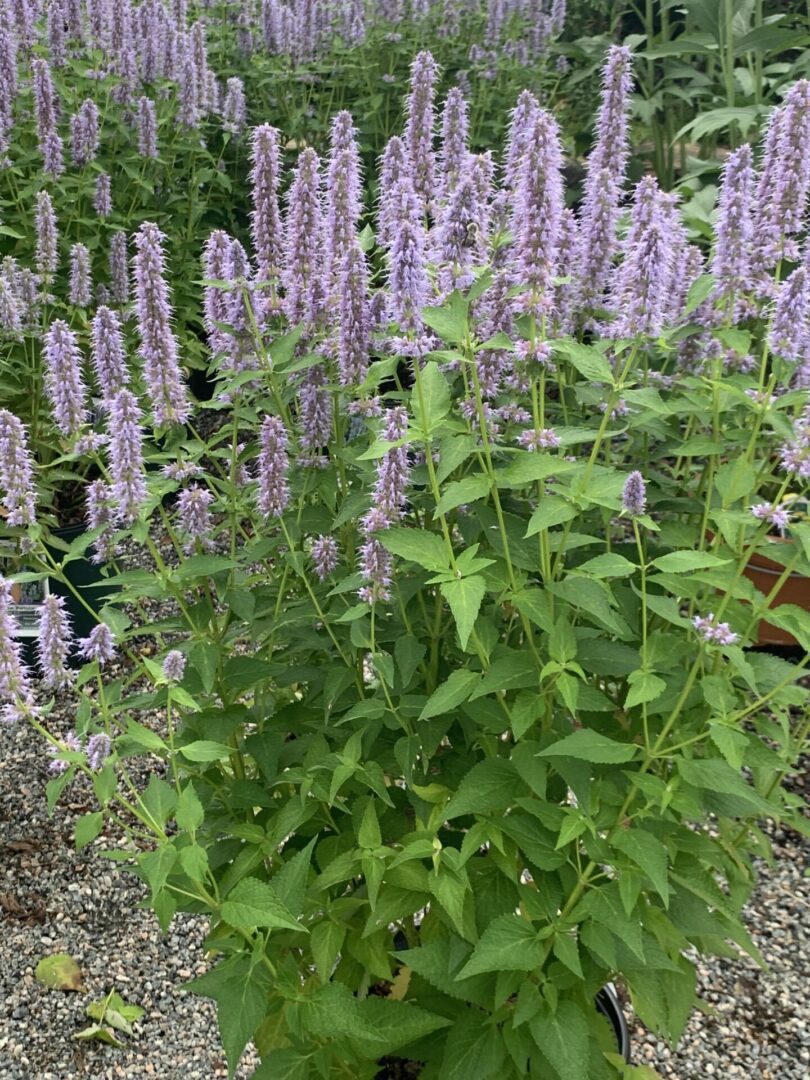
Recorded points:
(147, 128)
(216, 261)
(408, 284)
(644, 282)
(394, 166)
(85, 133)
(354, 330)
(519, 136)
(46, 258)
(15, 684)
(119, 270)
(126, 456)
(107, 353)
(419, 126)
(99, 748)
(99, 645)
(63, 378)
(302, 273)
(161, 368)
(605, 178)
(16, 471)
(455, 135)
(343, 192)
(376, 566)
(777, 516)
(634, 496)
(194, 516)
(731, 260)
(781, 204)
(54, 643)
(265, 218)
(81, 285)
(315, 414)
(537, 219)
(324, 554)
(789, 328)
(274, 493)
(102, 198)
(174, 666)
(233, 108)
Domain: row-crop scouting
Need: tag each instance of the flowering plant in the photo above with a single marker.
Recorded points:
(456, 722)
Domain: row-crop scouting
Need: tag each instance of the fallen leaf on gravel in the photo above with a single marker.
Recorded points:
(22, 845)
(11, 904)
(60, 972)
(113, 1010)
(103, 1034)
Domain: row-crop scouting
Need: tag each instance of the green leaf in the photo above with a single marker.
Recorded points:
(430, 399)
(205, 750)
(588, 745)
(509, 943)
(609, 565)
(144, 736)
(252, 903)
(678, 562)
(288, 1063)
(326, 941)
(87, 828)
(450, 320)
(553, 510)
(489, 786)
(473, 1049)
(241, 991)
(243, 673)
(189, 813)
(649, 854)
(731, 743)
(567, 952)
(462, 492)
(59, 972)
(588, 361)
(514, 671)
(716, 775)
(644, 687)
(452, 692)
(290, 883)
(424, 548)
(700, 290)
(464, 597)
(408, 654)
(563, 1038)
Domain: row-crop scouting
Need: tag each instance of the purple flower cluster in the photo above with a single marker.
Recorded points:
(64, 384)
(107, 353)
(15, 679)
(161, 368)
(274, 492)
(16, 471)
(54, 643)
(714, 632)
(265, 217)
(174, 666)
(99, 645)
(194, 517)
(777, 516)
(634, 495)
(128, 488)
(324, 555)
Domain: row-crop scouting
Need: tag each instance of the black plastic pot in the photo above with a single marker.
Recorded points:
(607, 1003)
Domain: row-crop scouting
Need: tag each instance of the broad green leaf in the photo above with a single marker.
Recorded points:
(430, 399)
(290, 882)
(567, 952)
(609, 565)
(326, 941)
(489, 786)
(452, 692)
(716, 775)
(473, 1049)
(515, 671)
(464, 596)
(241, 991)
(678, 562)
(424, 548)
(644, 687)
(588, 745)
(462, 492)
(588, 361)
(253, 903)
(408, 654)
(205, 750)
(87, 828)
(189, 813)
(731, 743)
(563, 1037)
(553, 510)
(509, 943)
(450, 320)
(649, 854)
(700, 290)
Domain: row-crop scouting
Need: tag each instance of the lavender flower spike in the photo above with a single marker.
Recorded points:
(99, 645)
(274, 492)
(782, 204)
(194, 516)
(634, 496)
(519, 136)
(731, 259)
(147, 128)
(16, 471)
(126, 456)
(107, 353)
(161, 368)
(80, 281)
(119, 271)
(46, 258)
(455, 134)
(174, 666)
(233, 108)
(63, 378)
(302, 274)
(98, 750)
(324, 555)
(15, 685)
(102, 198)
(53, 645)
(354, 329)
(265, 218)
(791, 317)
(419, 126)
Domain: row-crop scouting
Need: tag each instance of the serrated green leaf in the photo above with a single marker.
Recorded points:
(464, 596)
(425, 549)
(563, 1037)
(489, 786)
(649, 854)
(588, 361)
(205, 750)
(473, 1049)
(462, 492)
(87, 828)
(452, 692)
(189, 813)
(553, 510)
(609, 565)
(253, 903)
(509, 943)
(588, 745)
(430, 400)
(679, 562)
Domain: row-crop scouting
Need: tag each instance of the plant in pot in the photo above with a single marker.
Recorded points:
(455, 730)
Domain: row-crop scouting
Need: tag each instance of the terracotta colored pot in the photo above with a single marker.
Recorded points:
(763, 573)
